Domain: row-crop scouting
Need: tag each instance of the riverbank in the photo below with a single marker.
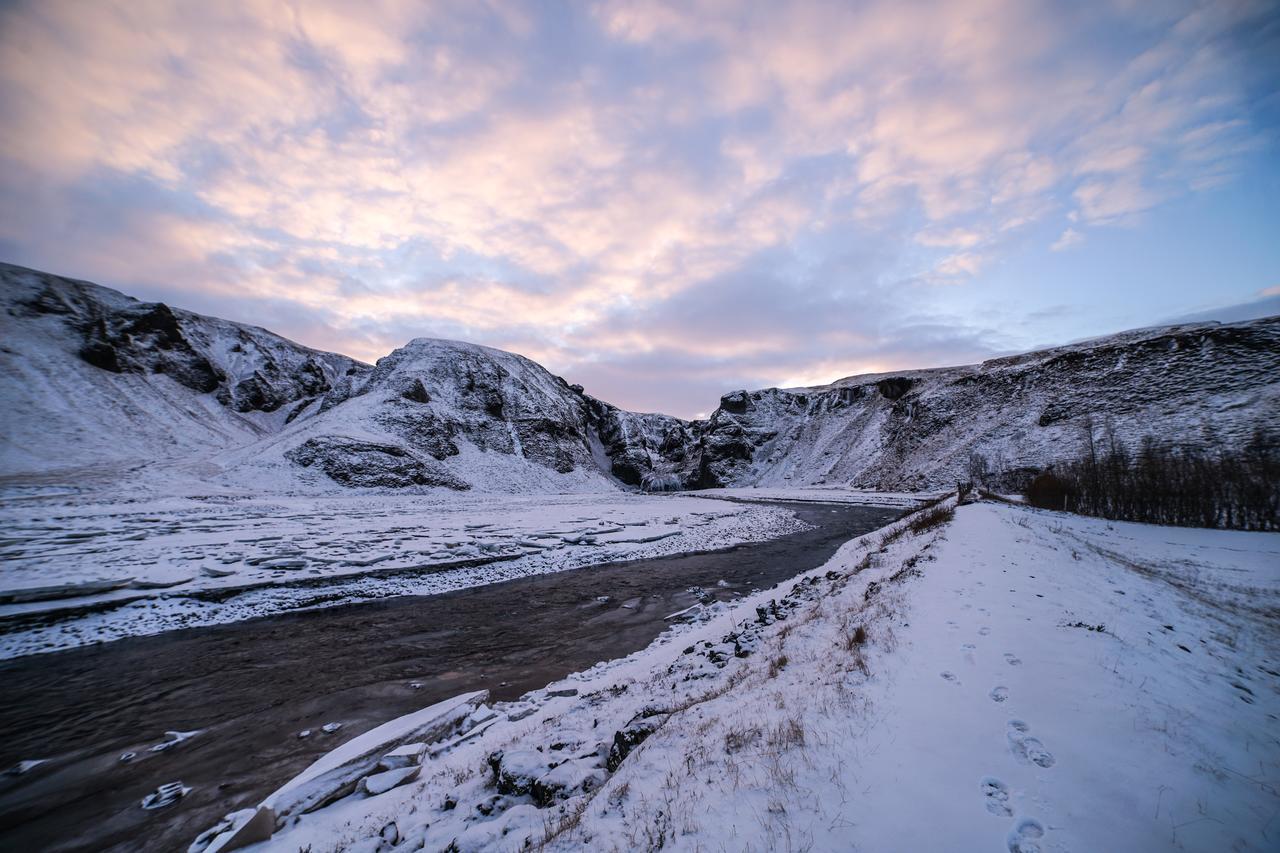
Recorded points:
(250, 687)
(1004, 679)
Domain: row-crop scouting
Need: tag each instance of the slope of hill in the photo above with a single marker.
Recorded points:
(93, 378)
(96, 384)
(438, 413)
(1202, 384)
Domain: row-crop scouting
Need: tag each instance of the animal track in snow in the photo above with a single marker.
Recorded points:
(1012, 659)
(999, 694)
(1025, 836)
(996, 794)
(1025, 748)
(984, 631)
(949, 676)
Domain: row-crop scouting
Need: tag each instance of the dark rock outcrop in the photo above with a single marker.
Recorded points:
(368, 464)
(634, 733)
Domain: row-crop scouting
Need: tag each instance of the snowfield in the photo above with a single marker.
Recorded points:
(85, 572)
(1008, 679)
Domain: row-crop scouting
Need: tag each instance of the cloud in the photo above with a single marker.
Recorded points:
(608, 188)
(1069, 238)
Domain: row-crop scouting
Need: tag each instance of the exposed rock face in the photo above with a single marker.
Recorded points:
(1195, 384)
(370, 465)
(644, 448)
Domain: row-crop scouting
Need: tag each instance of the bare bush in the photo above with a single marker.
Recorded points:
(1163, 484)
(930, 518)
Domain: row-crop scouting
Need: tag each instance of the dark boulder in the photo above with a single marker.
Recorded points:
(632, 735)
(352, 462)
(735, 402)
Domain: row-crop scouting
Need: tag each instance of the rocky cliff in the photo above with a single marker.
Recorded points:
(1204, 384)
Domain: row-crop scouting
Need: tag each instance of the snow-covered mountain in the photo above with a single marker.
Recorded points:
(439, 413)
(92, 378)
(1201, 384)
(95, 379)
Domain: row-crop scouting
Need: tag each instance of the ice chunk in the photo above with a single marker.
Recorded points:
(23, 767)
(336, 773)
(20, 595)
(217, 573)
(174, 738)
(403, 756)
(166, 795)
(380, 783)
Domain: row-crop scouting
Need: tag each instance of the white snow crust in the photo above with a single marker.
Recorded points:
(1029, 681)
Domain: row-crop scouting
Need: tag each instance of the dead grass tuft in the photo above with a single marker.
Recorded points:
(930, 518)
(789, 734)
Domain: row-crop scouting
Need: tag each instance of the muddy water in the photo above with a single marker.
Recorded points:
(250, 687)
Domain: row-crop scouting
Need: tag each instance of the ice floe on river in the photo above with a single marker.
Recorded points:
(78, 573)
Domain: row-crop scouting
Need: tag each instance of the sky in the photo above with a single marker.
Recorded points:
(660, 201)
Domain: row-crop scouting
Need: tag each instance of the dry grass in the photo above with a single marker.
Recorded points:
(930, 518)
(562, 823)
(738, 739)
(789, 734)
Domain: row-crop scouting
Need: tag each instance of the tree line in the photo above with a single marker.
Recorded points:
(1157, 483)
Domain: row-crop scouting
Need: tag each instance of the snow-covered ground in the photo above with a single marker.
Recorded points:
(825, 494)
(1009, 679)
(102, 570)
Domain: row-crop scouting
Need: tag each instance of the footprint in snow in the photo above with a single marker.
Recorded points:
(1012, 659)
(950, 676)
(996, 794)
(1025, 836)
(984, 631)
(999, 694)
(1027, 749)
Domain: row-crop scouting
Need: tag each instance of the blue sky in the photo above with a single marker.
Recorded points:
(661, 201)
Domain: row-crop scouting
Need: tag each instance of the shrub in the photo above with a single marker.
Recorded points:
(1165, 484)
(1047, 491)
(930, 518)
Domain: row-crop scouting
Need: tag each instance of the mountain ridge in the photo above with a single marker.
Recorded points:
(93, 377)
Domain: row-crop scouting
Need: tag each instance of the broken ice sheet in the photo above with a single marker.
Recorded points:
(173, 739)
(166, 795)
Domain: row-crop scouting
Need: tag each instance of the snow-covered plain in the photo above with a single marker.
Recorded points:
(1023, 681)
(79, 572)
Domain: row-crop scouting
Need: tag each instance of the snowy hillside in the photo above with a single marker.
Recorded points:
(1204, 384)
(1008, 679)
(92, 378)
(438, 413)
